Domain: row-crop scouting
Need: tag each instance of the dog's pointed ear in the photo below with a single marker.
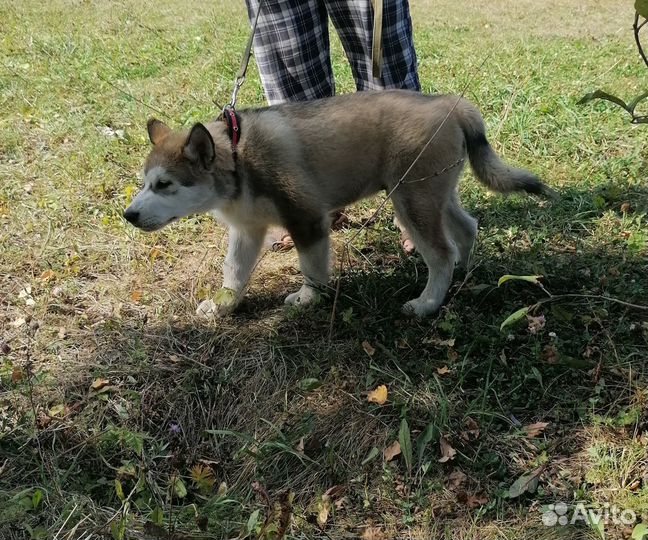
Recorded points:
(157, 130)
(199, 147)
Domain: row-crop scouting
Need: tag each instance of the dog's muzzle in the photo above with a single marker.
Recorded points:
(132, 216)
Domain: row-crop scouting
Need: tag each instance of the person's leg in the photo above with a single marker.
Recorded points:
(291, 48)
(292, 52)
(353, 20)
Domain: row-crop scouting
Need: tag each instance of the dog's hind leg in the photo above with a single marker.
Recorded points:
(424, 220)
(462, 228)
(311, 239)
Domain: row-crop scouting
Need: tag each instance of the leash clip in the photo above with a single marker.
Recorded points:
(238, 83)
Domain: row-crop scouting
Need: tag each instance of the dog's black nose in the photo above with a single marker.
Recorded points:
(131, 215)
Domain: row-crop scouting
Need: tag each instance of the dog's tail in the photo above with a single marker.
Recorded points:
(488, 167)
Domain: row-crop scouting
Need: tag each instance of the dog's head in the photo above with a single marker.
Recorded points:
(185, 173)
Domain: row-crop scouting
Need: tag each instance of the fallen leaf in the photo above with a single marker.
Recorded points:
(57, 410)
(25, 293)
(368, 348)
(525, 483)
(439, 342)
(48, 275)
(136, 296)
(472, 431)
(447, 452)
(626, 207)
(534, 430)
(549, 354)
(340, 221)
(299, 447)
(392, 451)
(17, 375)
(336, 491)
(43, 420)
(502, 358)
(452, 355)
(475, 501)
(372, 533)
(634, 486)
(340, 503)
(62, 333)
(324, 506)
(457, 478)
(379, 395)
(443, 370)
(285, 243)
(18, 322)
(99, 383)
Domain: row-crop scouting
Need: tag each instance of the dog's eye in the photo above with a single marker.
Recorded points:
(162, 184)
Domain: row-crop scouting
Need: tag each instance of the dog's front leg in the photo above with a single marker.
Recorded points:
(242, 253)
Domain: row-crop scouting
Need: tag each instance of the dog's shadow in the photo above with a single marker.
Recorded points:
(296, 378)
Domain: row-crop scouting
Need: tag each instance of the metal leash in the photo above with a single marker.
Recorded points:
(240, 76)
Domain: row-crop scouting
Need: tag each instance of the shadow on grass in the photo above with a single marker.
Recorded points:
(290, 407)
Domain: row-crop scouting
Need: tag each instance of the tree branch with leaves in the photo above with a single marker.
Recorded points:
(640, 20)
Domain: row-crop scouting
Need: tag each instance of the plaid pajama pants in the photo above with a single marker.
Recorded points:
(292, 49)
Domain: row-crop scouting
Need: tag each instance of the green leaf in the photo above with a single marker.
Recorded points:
(527, 483)
(600, 94)
(230, 433)
(598, 525)
(514, 317)
(36, 498)
(405, 440)
(178, 487)
(309, 384)
(252, 522)
(641, 529)
(641, 7)
(134, 441)
(40, 533)
(118, 528)
(373, 453)
(509, 277)
(431, 434)
(157, 516)
(119, 490)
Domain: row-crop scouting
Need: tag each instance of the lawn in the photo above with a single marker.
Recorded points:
(124, 415)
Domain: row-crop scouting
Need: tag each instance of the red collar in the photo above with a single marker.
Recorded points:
(233, 126)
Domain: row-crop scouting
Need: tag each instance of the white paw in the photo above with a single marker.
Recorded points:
(420, 307)
(223, 304)
(206, 308)
(304, 296)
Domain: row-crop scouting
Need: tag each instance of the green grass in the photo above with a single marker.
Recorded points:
(190, 413)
